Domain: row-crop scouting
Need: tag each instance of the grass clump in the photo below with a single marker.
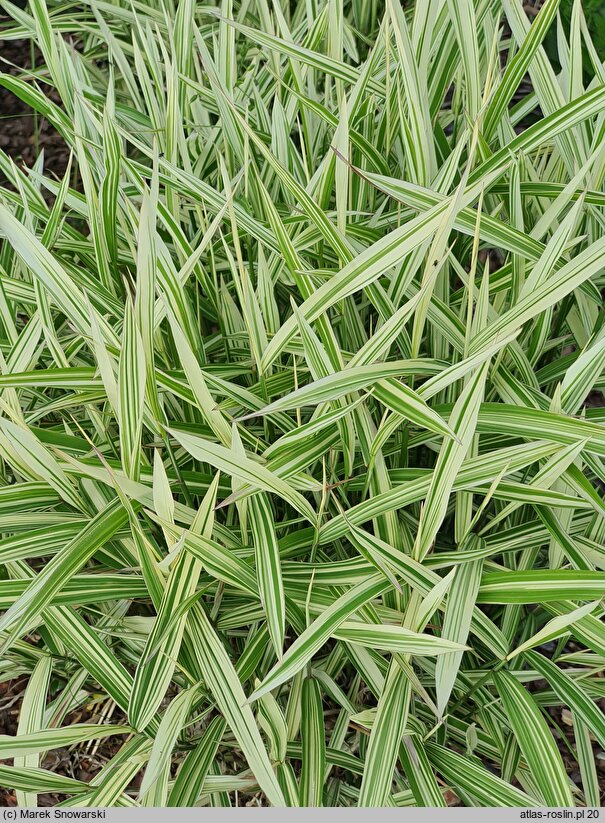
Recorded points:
(299, 486)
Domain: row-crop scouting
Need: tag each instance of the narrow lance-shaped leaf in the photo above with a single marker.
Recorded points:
(385, 738)
(31, 720)
(467, 774)
(314, 637)
(190, 778)
(131, 395)
(456, 625)
(244, 469)
(45, 739)
(160, 656)
(221, 678)
(62, 567)
(535, 740)
(463, 421)
(268, 568)
(571, 692)
(171, 725)
(312, 735)
(554, 628)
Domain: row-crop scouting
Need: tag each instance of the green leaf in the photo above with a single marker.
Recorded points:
(243, 468)
(535, 741)
(314, 637)
(463, 421)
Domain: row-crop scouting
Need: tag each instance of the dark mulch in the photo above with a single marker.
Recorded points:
(23, 135)
(80, 762)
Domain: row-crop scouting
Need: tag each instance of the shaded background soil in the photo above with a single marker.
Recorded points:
(24, 134)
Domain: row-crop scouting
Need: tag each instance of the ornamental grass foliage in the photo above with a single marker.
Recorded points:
(301, 428)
